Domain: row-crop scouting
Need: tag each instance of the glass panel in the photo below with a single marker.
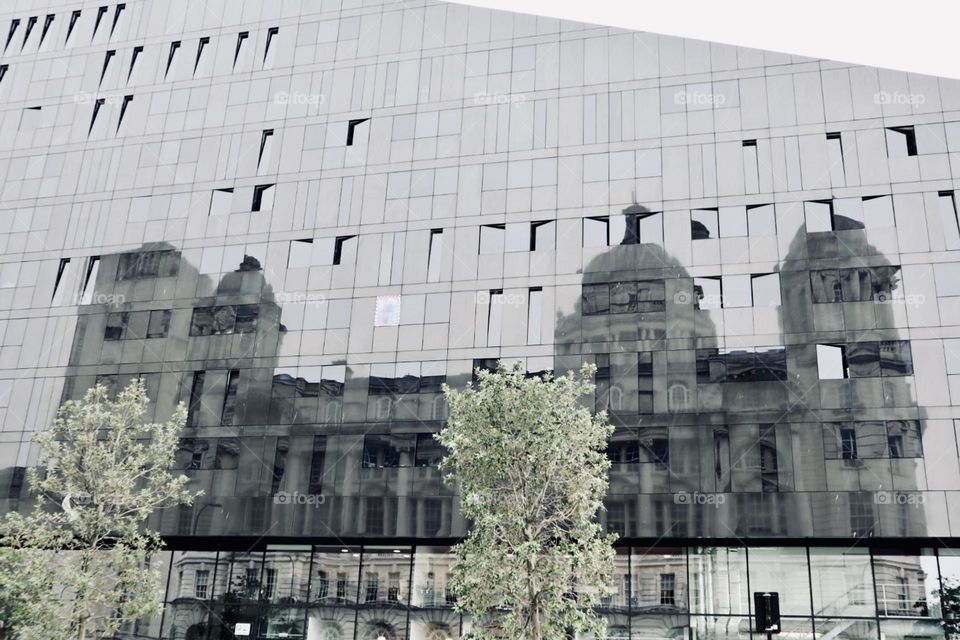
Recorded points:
(718, 581)
(492, 239)
(910, 630)
(766, 290)
(704, 224)
(818, 216)
(846, 629)
(658, 580)
(830, 362)
(736, 291)
(286, 575)
(595, 232)
(761, 220)
(707, 292)
(733, 221)
(842, 582)
(907, 585)
(431, 575)
(719, 628)
(783, 570)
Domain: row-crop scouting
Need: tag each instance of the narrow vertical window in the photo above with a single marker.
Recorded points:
(645, 381)
(31, 22)
(73, 22)
(59, 284)
(106, 63)
(266, 138)
(494, 317)
(838, 177)
(228, 413)
(173, 50)
(751, 167)
(96, 110)
(271, 34)
(133, 60)
(13, 30)
(317, 456)
(123, 109)
(534, 314)
(279, 463)
(769, 465)
(948, 219)
(46, 27)
(90, 280)
(102, 11)
(3, 71)
(201, 45)
(116, 16)
(241, 38)
(196, 398)
(434, 255)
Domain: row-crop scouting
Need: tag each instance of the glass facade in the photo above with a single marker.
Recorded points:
(300, 219)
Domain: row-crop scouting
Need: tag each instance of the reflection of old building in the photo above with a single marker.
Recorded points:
(302, 223)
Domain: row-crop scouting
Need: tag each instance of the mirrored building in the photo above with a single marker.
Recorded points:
(301, 218)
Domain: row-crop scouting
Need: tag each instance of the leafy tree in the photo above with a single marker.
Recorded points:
(82, 556)
(531, 466)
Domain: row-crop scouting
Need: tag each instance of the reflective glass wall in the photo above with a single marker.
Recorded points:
(366, 593)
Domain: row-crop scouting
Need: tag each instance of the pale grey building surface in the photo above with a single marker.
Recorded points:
(300, 217)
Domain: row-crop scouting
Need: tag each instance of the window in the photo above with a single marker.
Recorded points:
(704, 224)
(869, 212)
(116, 326)
(434, 255)
(492, 238)
(769, 466)
(387, 313)
(948, 219)
(148, 264)
(46, 27)
(645, 381)
(372, 580)
(224, 320)
(429, 452)
(106, 62)
(901, 142)
(750, 364)
(596, 232)
(262, 197)
(241, 38)
(266, 140)
(73, 21)
(133, 60)
(230, 398)
(707, 293)
(270, 583)
(90, 280)
(271, 34)
(352, 127)
(201, 584)
(668, 586)
(221, 201)
(862, 284)
(3, 71)
(494, 317)
(889, 358)
(733, 221)
(534, 314)
(751, 167)
(97, 104)
(645, 228)
(196, 398)
(174, 46)
(543, 235)
(831, 361)
(654, 446)
(116, 16)
(819, 215)
(344, 247)
(643, 296)
(835, 158)
(123, 110)
(761, 220)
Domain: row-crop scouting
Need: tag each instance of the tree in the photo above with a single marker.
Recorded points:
(82, 556)
(532, 471)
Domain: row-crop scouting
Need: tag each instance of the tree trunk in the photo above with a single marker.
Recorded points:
(535, 633)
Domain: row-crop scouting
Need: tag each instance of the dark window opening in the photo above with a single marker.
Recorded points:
(96, 110)
(3, 71)
(116, 16)
(243, 35)
(13, 29)
(542, 235)
(230, 398)
(123, 109)
(201, 45)
(46, 26)
(106, 63)
(266, 135)
(133, 60)
(338, 246)
(102, 11)
(73, 22)
(258, 192)
(271, 32)
(196, 398)
(317, 456)
(351, 128)
(64, 262)
(31, 21)
(173, 50)
(907, 136)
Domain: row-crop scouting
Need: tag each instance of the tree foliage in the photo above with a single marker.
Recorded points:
(81, 558)
(530, 463)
